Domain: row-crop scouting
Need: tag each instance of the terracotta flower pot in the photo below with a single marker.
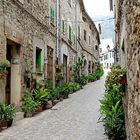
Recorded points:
(4, 125)
(39, 108)
(0, 127)
(123, 80)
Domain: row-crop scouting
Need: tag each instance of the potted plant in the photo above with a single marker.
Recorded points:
(7, 115)
(28, 104)
(41, 96)
(3, 65)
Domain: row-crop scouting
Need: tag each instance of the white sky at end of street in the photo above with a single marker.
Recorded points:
(97, 7)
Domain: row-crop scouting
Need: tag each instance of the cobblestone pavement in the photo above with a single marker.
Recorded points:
(73, 119)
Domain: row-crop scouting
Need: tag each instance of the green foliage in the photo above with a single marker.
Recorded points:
(73, 86)
(99, 72)
(64, 90)
(114, 76)
(3, 65)
(83, 80)
(91, 77)
(41, 95)
(7, 112)
(28, 103)
(77, 69)
(112, 107)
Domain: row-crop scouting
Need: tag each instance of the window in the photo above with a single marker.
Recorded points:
(101, 58)
(38, 60)
(105, 56)
(96, 47)
(63, 26)
(85, 34)
(78, 32)
(52, 20)
(89, 40)
(110, 54)
(69, 33)
(74, 41)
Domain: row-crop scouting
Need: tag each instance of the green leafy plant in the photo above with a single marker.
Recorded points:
(7, 112)
(41, 95)
(77, 68)
(111, 107)
(83, 80)
(99, 72)
(3, 65)
(91, 77)
(28, 103)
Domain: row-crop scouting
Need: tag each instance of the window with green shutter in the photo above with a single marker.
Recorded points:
(52, 14)
(38, 60)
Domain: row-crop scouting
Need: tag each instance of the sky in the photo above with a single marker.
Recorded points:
(97, 7)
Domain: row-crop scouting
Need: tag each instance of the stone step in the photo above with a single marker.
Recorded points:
(19, 116)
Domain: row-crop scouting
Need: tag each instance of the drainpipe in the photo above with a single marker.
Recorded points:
(60, 47)
(58, 32)
(76, 25)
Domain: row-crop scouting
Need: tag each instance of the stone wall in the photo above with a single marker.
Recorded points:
(22, 24)
(133, 22)
(131, 19)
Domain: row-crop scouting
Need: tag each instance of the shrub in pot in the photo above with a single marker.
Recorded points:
(7, 113)
(42, 96)
(28, 104)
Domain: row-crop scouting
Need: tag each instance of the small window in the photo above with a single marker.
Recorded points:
(106, 56)
(85, 35)
(89, 40)
(70, 33)
(38, 60)
(63, 26)
(78, 32)
(96, 47)
(74, 40)
(52, 18)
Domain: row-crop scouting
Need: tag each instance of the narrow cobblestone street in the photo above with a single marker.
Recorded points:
(73, 119)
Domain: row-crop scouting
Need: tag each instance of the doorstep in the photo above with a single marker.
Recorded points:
(19, 116)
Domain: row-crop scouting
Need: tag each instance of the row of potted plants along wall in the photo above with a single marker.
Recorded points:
(40, 99)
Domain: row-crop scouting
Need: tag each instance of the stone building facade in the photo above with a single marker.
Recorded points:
(127, 14)
(38, 36)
